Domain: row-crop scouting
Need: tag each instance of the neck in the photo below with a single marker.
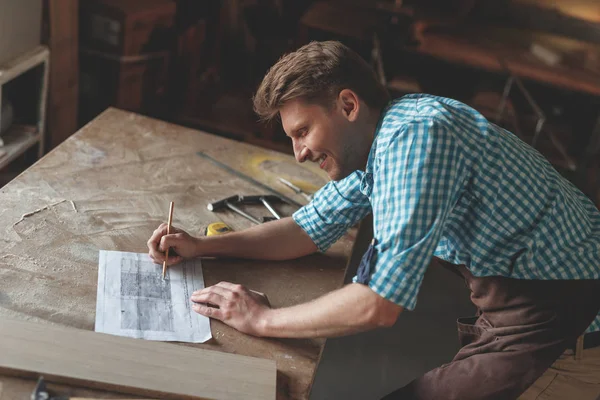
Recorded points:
(371, 121)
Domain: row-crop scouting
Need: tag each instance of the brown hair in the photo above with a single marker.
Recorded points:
(317, 72)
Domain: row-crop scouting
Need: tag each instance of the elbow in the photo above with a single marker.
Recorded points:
(387, 320)
(384, 314)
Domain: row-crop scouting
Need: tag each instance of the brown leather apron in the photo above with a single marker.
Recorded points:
(521, 328)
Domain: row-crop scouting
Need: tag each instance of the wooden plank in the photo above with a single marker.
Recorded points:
(131, 365)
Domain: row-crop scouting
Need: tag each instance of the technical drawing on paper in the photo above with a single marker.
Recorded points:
(145, 299)
(134, 300)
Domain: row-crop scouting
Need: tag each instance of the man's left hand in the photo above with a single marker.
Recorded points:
(238, 307)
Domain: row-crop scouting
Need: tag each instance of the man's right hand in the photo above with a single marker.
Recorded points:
(276, 240)
(184, 245)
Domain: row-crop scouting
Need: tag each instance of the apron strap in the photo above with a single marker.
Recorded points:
(363, 273)
(579, 348)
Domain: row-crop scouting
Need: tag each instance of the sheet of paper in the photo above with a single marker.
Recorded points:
(134, 300)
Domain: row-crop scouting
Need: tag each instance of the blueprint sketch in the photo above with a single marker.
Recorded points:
(134, 300)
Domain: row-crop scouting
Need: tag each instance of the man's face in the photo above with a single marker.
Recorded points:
(329, 137)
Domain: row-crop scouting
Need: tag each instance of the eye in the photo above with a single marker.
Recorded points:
(303, 132)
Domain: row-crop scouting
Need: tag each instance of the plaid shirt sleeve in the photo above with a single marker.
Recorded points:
(416, 179)
(333, 210)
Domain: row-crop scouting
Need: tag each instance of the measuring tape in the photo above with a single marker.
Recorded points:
(217, 228)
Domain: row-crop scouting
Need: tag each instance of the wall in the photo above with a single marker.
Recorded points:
(20, 26)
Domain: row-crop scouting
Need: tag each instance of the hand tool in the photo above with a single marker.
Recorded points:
(248, 179)
(232, 201)
(296, 189)
(265, 200)
(41, 393)
(217, 228)
(168, 233)
(227, 202)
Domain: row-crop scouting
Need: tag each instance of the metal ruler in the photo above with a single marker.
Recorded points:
(248, 179)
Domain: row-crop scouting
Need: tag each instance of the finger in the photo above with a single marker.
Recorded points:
(208, 289)
(162, 231)
(225, 293)
(175, 260)
(211, 298)
(156, 235)
(158, 259)
(234, 287)
(171, 240)
(156, 255)
(207, 311)
(167, 241)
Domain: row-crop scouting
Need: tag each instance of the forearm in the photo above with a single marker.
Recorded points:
(348, 310)
(276, 240)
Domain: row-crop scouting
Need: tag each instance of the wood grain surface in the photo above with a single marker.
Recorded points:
(121, 171)
(131, 366)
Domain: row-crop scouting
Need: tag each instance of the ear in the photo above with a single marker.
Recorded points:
(349, 103)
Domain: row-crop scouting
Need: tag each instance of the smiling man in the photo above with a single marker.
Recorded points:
(440, 181)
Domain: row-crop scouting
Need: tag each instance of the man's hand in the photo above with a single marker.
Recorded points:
(184, 245)
(283, 238)
(238, 307)
(351, 309)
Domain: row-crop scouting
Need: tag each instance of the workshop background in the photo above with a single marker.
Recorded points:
(532, 66)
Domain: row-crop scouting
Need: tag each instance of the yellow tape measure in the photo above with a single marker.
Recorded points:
(217, 228)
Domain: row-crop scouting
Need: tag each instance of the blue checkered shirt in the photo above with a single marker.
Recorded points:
(442, 181)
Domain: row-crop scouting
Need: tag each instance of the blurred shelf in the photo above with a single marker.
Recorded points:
(28, 76)
(23, 63)
(18, 139)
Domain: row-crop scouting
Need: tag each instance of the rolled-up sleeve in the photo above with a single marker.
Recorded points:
(333, 210)
(417, 179)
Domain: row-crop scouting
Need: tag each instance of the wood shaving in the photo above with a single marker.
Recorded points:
(46, 207)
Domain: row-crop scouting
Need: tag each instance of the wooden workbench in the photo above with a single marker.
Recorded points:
(121, 171)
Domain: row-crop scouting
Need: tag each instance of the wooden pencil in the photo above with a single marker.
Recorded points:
(168, 233)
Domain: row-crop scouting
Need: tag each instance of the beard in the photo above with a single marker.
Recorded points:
(348, 162)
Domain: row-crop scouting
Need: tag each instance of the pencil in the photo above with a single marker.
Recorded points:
(168, 233)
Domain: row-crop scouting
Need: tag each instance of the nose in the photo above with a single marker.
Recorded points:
(300, 151)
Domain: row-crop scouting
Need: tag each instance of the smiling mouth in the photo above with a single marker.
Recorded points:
(323, 160)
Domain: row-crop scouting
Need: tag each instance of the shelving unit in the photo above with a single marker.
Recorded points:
(20, 138)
